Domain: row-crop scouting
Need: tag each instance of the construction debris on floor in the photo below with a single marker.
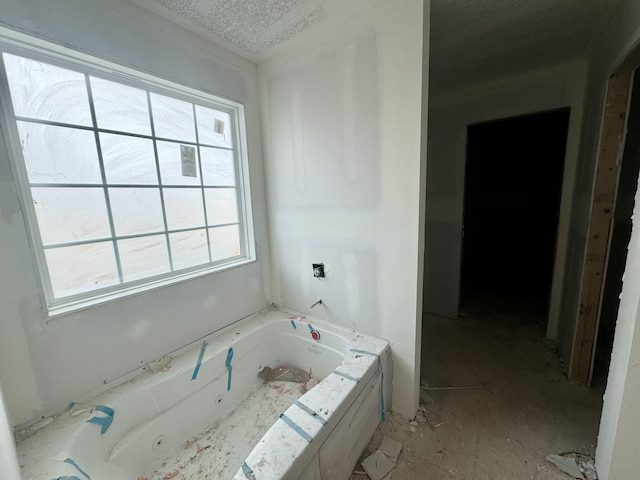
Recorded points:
(576, 465)
(380, 464)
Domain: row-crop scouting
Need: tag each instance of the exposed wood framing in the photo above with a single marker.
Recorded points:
(610, 152)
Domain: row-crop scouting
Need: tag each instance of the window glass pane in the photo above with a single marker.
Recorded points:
(224, 242)
(189, 249)
(128, 160)
(214, 127)
(120, 107)
(81, 268)
(143, 257)
(136, 210)
(171, 168)
(222, 206)
(173, 118)
(45, 92)
(217, 167)
(59, 154)
(70, 214)
(183, 207)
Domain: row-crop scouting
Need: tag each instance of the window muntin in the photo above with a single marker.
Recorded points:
(128, 186)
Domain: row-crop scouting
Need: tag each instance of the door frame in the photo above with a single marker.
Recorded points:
(600, 223)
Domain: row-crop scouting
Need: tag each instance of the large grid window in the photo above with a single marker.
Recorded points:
(127, 184)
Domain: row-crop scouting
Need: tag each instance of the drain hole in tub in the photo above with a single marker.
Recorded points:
(219, 400)
(158, 442)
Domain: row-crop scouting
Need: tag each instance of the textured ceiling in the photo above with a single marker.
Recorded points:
(255, 29)
(471, 40)
(477, 40)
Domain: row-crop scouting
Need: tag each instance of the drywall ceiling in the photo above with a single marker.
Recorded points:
(477, 40)
(471, 40)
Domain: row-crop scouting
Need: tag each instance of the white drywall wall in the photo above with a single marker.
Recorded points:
(44, 365)
(450, 114)
(617, 451)
(342, 126)
(9, 467)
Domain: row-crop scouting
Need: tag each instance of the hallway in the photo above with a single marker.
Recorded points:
(524, 409)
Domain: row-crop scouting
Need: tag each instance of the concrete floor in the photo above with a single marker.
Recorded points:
(525, 410)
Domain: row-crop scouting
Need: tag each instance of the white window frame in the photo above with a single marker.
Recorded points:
(23, 45)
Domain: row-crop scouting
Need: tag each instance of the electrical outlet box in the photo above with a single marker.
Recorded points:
(318, 270)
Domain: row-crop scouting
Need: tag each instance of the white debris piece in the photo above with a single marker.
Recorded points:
(380, 464)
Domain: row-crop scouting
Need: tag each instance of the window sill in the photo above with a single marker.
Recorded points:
(63, 308)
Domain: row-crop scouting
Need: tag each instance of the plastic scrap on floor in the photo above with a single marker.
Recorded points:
(576, 465)
(199, 362)
(381, 463)
(104, 422)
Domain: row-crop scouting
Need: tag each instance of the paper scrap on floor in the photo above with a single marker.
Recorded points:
(576, 465)
(380, 464)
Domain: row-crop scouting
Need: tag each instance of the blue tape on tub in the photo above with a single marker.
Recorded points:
(227, 364)
(71, 462)
(364, 352)
(347, 376)
(296, 427)
(310, 327)
(313, 413)
(67, 477)
(104, 422)
(199, 362)
(293, 324)
(248, 472)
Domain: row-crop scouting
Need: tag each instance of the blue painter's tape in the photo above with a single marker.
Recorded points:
(104, 422)
(313, 413)
(199, 362)
(347, 376)
(293, 324)
(227, 364)
(310, 327)
(67, 477)
(296, 427)
(248, 472)
(364, 352)
(71, 462)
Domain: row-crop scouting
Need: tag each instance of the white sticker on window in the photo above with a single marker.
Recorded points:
(218, 126)
(188, 156)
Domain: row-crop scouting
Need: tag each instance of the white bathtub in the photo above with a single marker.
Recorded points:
(198, 419)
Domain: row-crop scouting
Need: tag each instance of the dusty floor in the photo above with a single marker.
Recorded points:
(526, 409)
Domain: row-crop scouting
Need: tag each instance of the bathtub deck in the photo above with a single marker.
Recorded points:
(219, 449)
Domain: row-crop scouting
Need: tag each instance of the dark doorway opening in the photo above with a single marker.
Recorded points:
(513, 184)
